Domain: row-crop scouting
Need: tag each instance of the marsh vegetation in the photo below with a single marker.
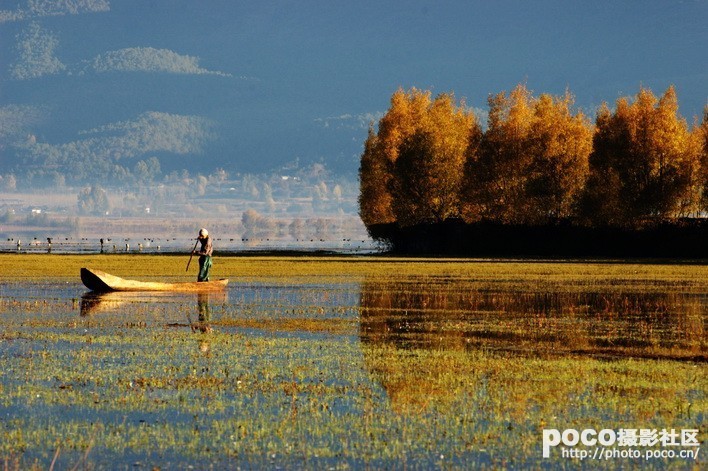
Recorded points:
(343, 362)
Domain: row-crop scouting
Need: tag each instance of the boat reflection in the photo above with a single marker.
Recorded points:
(132, 303)
(96, 303)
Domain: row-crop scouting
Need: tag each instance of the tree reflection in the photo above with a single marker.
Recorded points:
(431, 344)
(454, 315)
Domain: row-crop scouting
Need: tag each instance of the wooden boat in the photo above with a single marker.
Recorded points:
(97, 280)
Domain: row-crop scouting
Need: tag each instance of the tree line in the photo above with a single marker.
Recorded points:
(537, 161)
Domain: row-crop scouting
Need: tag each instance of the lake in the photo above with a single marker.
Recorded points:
(353, 362)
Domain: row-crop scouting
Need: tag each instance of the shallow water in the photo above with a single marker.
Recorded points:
(667, 323)
(119, 245)
(418, 372)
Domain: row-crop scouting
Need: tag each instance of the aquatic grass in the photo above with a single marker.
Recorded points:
(687, 277)
(344, 363)
(454, 403)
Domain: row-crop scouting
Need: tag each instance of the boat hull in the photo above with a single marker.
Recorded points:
(97, 280)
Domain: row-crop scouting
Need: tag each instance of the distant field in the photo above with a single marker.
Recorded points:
(562, 274)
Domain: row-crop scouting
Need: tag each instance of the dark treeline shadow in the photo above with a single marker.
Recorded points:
(684, 239)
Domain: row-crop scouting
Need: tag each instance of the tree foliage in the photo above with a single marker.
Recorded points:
(538, 161)
(411, 170)
(644, 162)
(701, 136)
(561, 143)
(93, 200)
(532, 161)
(498, 172)
(381, 152)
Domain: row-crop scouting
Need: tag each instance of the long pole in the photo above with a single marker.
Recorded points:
(192, 254)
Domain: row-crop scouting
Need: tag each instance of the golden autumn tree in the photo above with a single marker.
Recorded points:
(381, 152)
(374, 173)
(602, 202)
(411, 170)
(427, 177)
(560, 143)
(531, 163)
(675, 155)
(690, 200)
(701, 133)
(497, 172)
(643, 164)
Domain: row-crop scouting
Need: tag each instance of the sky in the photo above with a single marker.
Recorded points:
(252, 86)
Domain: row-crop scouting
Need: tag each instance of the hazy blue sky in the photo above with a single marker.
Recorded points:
(251, 85)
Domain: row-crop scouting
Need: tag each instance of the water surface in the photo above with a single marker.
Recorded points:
(393, 371)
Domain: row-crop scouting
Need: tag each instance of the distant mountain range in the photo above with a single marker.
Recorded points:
(253, 86)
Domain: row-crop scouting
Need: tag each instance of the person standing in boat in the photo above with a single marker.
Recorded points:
(204, 255)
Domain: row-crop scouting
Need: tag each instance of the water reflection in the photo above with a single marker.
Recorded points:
(95, 303)
(455, 315)
(132, 304)
(430, 345)
(204, 315)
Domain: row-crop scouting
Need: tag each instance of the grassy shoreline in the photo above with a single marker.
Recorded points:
(38, 266)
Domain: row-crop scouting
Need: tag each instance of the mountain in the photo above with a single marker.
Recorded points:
(251, 86)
